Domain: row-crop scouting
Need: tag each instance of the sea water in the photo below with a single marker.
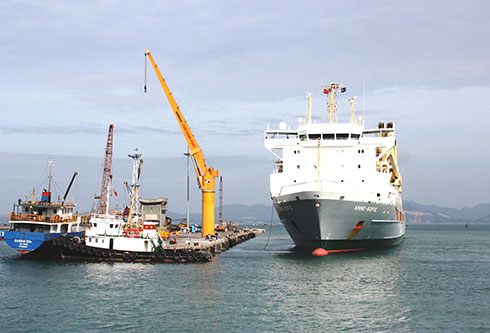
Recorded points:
(437, 280)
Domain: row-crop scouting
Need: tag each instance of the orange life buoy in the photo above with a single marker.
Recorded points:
(56, 218)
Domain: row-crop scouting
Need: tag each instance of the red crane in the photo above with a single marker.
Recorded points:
(106, 174)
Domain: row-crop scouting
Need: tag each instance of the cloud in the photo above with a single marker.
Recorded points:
(49, 129)
(69, 69)
(160, 177)
(86, 129)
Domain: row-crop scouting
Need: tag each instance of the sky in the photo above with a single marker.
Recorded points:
(68, 69)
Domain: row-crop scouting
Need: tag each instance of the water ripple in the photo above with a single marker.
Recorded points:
(435, 281)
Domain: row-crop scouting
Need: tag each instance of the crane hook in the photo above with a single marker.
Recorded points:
(146, 60)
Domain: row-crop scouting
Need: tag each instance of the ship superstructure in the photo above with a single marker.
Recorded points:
(34, 224)
(115, 235)
(337, 185)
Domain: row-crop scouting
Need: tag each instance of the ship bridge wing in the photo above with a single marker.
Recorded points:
(275, 140)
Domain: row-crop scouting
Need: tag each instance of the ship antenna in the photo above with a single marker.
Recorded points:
(363, 98)
(331, 104)
(330, 90)
(135, 207)
(352, 102)
(50, 177)
(308, 95)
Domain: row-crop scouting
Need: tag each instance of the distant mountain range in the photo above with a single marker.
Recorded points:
(257, 214)
(432, 214)
(416, 213)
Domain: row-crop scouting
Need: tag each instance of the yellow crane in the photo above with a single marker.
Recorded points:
(205, 175)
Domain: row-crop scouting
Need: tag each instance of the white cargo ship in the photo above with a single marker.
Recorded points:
(337, 185)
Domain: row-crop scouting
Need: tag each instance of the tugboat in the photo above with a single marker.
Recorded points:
(35, 224)
(337, 185)
(142, 233)
(125, 234)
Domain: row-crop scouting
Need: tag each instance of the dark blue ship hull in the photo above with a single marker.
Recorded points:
(35, 244)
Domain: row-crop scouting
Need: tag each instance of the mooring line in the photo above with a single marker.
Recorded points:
(270, 226)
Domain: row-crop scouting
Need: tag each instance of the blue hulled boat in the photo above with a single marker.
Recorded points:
(34, 224)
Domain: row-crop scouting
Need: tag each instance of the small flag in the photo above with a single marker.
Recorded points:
(326, 91)
(115, 193)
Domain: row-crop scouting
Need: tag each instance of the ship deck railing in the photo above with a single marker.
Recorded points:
(46, 204)
(47, 219)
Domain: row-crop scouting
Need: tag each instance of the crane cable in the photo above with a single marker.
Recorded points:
(146, 61)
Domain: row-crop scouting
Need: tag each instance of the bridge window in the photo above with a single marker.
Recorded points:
(314, 136)
(355, 136)
(342, 136)
(329, 136)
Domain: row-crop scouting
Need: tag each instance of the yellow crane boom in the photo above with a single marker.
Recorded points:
(205, 175)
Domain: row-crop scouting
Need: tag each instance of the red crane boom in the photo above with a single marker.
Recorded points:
(106, 174)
